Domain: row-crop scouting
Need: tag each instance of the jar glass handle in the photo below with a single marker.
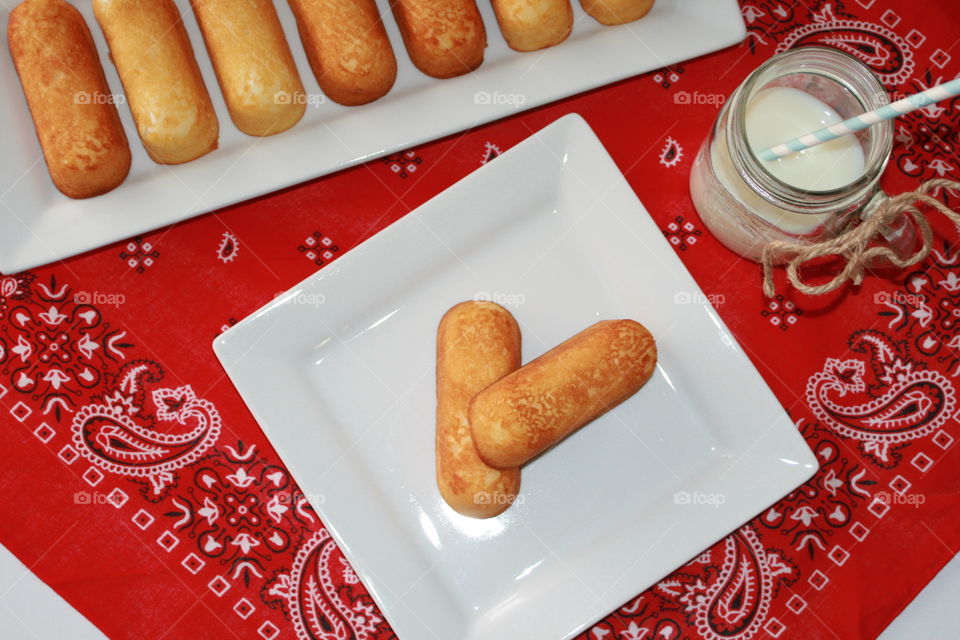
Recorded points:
(900, 234)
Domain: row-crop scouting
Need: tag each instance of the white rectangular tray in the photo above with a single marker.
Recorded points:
(339, 372)
(38, 224)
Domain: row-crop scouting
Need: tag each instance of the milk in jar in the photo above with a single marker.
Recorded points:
(807, 196)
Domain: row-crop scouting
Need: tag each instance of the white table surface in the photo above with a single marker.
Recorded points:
(30, 610)
(33, 611)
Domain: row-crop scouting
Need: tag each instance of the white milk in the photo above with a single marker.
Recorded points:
(775, 115)
(778, 114)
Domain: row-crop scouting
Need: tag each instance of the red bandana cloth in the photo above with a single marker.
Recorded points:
(194, 529)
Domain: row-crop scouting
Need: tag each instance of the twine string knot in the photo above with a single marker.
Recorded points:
(862, 245)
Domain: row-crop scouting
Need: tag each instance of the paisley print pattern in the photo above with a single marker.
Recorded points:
(229, 248)
(671, 154)
(14, 289)
(735, 603)
(827, 23)
(240, 509)
(164, 454)
(809, 517)
(490, 153)
(889, 55)
(54, 345)
(318, 594)
(927, 139)
(929, 309)
(905, 401)
(725, 593)
(120, 434)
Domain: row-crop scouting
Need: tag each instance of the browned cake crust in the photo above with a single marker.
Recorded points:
(536, 406)
(528, 25)
(76, 121)
(347, 47)
(166, 93)
(254, 66)
(477, 344)
(444, 38)
(611, 12)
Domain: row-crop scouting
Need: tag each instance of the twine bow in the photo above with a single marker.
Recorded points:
(854, 244)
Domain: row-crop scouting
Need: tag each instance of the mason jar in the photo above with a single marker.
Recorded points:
(745, 206)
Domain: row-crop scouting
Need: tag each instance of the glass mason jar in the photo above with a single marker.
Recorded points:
(745, 206)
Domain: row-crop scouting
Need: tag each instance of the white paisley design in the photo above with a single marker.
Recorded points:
(105, 433)
(914, 402)
(672, 153)
(888, 54)
(736, 603)
(319, 608)
(228, 248)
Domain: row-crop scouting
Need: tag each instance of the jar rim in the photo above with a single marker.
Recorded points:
(847, 71)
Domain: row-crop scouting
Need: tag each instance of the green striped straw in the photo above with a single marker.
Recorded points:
(864, 120)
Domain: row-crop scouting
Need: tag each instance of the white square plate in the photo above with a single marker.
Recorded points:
(38, 224)
(339, 372)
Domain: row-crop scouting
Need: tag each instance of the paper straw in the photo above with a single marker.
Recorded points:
(864, 120)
